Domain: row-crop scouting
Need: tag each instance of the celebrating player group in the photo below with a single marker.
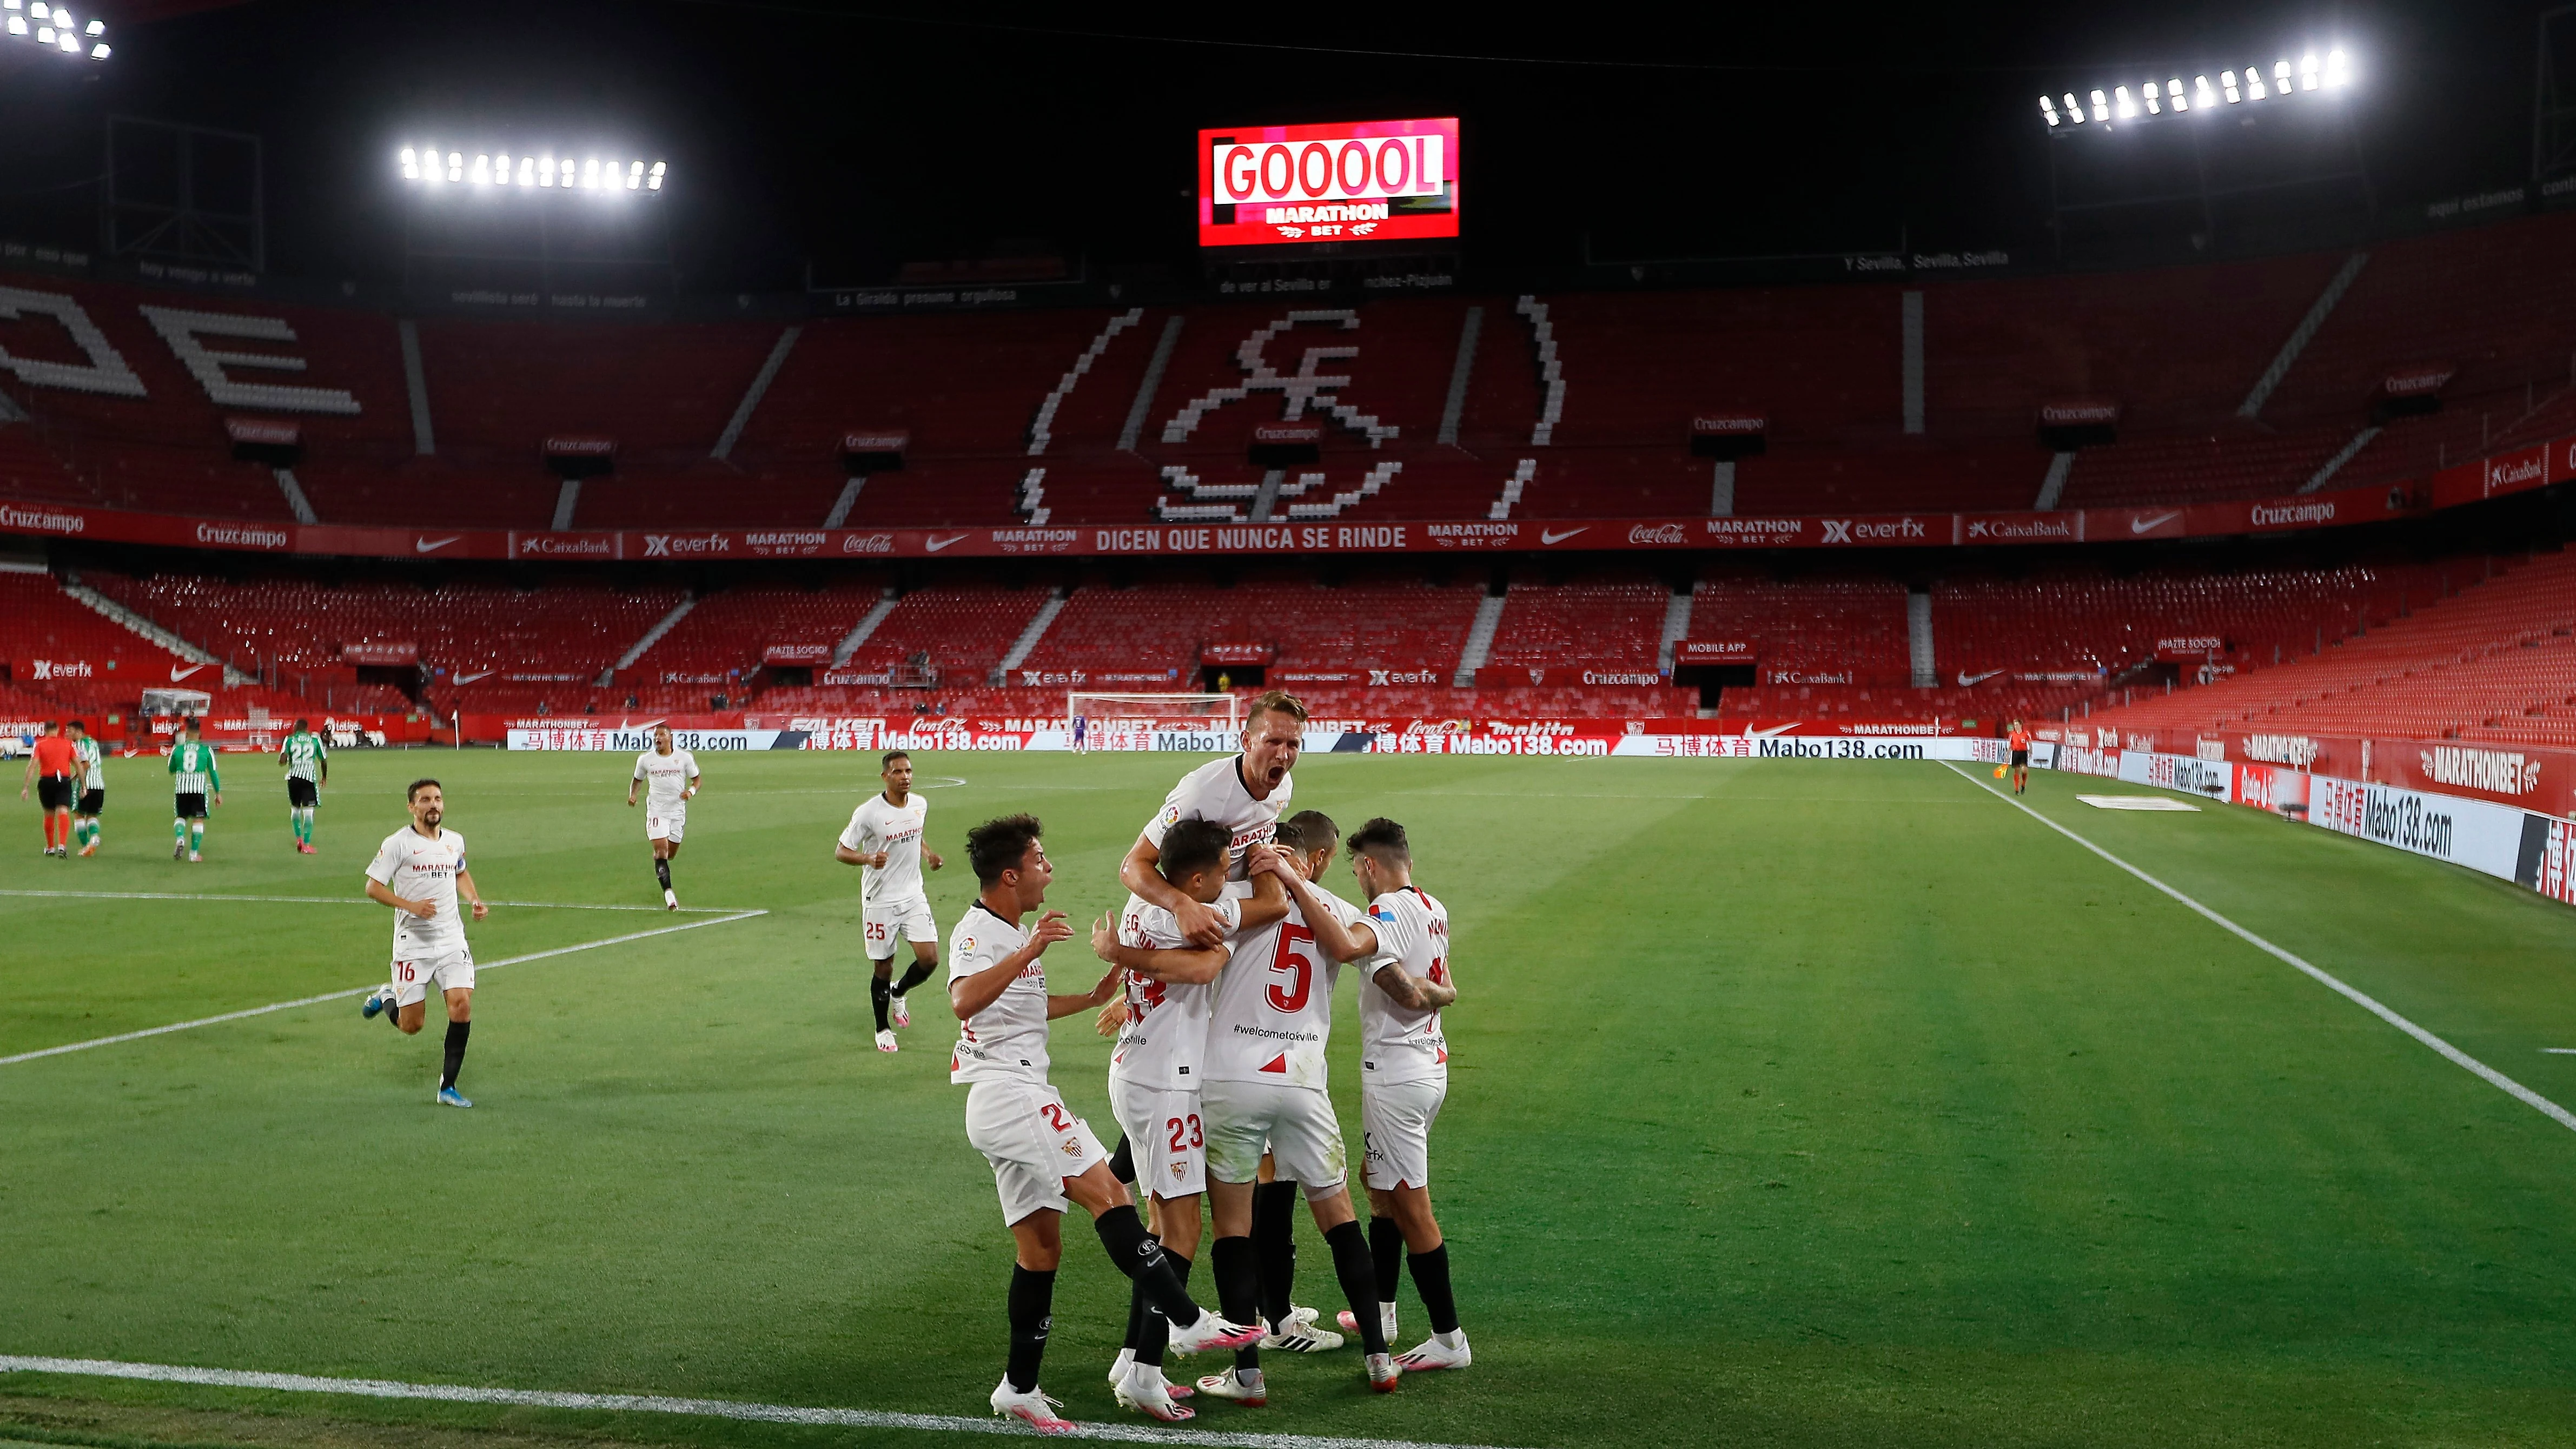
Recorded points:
(1222, 969)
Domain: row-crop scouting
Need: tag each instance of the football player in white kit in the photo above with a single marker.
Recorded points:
(670, 780)
(1244, 793)
(1266, 1091)
(418, 871)
(1041, 1154)
(884, 839)
(1155, 1071)
(1404, 1079)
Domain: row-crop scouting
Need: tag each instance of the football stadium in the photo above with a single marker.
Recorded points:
(1882, 755)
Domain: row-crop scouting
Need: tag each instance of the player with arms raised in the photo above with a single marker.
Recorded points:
(1042, 1155)
(884, 840)
(669, 778)
(418, 871)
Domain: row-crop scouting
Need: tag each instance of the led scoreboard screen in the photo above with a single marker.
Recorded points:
(1348, 181)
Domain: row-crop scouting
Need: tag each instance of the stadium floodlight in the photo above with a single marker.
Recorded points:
(54, 28)
(2311, 71)
(531, 169)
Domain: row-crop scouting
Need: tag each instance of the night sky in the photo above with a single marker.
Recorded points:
(853, 139)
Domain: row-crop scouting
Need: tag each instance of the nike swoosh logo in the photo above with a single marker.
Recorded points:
(2141, 525)
(432, 545)
(470, 678)
(177, 673)
(1966, 679)
(1550, 535)
(1773, 732)
(934, 545)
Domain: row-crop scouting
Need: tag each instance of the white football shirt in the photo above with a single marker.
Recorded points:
(417, 867)
(1165, 1038)
(1274, 1003)
(1398, 1043)
(1215, 791)
(1006, 1041)
(665, 776)
(896, 830)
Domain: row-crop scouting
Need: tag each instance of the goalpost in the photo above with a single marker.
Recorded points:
(1101, 719)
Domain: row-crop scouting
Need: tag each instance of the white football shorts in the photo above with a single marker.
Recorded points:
(665, 823)
(1166, 1137)
(1033, 1141)
(453, 971)
(1395, 1126)
(1295, 1125)
(884, 920)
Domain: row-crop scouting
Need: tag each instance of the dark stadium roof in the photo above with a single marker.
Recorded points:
(857, 137)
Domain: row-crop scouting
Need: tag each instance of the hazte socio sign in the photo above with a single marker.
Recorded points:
(1346, 181)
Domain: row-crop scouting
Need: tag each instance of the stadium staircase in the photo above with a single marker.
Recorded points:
(1480, 638)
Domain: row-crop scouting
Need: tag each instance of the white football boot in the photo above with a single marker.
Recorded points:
(1033, 1408)
(1212, 1332)
(1439, 1351)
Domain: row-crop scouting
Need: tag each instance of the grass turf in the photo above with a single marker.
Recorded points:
(1793, 1103)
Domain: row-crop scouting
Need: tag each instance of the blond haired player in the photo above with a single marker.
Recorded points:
(1244, 793)
(884, 839)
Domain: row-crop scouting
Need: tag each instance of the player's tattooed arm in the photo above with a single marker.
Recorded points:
(968, 995)
(1411, 991)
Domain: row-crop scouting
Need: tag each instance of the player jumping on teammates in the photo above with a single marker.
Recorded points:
(884, 839)
(1244, 794)
(1155, 1072)
(195, 784)
(53, 767)
(93, 788)
(2018, 741)
(1404, 1066)
(670, 780)
(418, 871)
(308, 769)
(1041, 1154)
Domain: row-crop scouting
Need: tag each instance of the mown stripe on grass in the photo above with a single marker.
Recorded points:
(2328, 979)
(342, 995)
(661, 1404)
(347, 900)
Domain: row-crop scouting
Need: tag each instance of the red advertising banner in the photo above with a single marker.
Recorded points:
(1166, 540)
(1241, 652)
(263, 432)
(1715, 651)
(2535, 779)
(797, 655)
(383, 654)
(1342, 181)
(876, 440)
(580, 445)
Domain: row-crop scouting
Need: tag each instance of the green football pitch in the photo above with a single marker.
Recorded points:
(1793, 1104)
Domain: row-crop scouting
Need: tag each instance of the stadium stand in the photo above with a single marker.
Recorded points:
(2494, 660)
(75, 659)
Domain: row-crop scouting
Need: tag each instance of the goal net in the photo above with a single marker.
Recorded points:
(1111, 721)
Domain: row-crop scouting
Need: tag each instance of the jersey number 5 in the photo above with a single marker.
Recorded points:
(1296, 962)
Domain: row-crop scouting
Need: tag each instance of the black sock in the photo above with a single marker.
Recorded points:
(1274, 1245)
(662, 870)
(1156, 1334)
(915, 974)
(877, 995)
(1386, 1245)
(1238, 1289)
(1141, 1258)
(457, 1031)
(1431, 1280)
(1032, 1314)
(1122, 1163)
(1358, 1272)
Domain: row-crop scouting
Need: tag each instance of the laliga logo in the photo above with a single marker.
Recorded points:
(1663, 533)
(867, 543)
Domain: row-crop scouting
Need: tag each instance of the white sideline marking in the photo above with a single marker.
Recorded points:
(2457, 1057)
(343, 901)
(2559, 1051)
(659, 1404)
(82, 1046)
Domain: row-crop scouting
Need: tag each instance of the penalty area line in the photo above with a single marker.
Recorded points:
(2321, 976)
(343, 901)
(125, 1036)
(662, 1404)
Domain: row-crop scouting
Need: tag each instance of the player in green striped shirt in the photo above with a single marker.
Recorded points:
(308, 769)
(93, 788)
(195, 783)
